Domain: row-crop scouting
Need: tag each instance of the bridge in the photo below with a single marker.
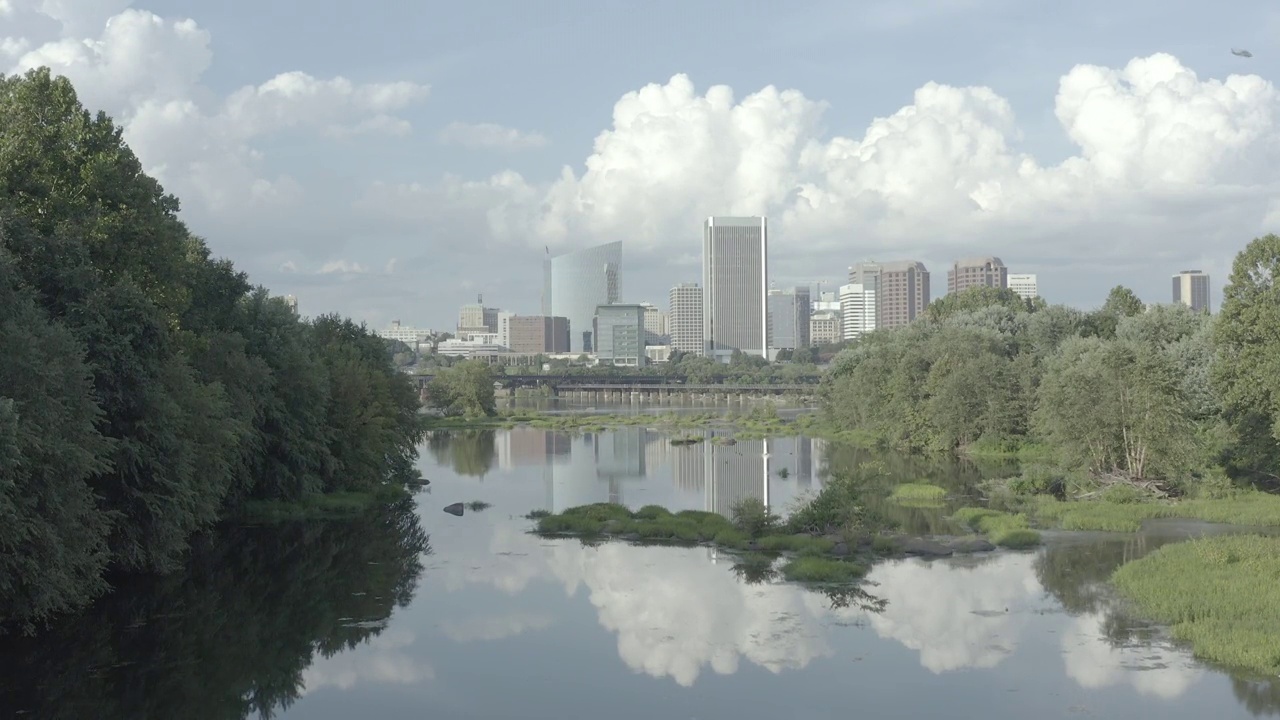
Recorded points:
(619, 391)
(633, 383)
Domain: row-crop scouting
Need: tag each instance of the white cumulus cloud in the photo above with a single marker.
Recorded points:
(342, 267)
(491, 136)
(146, 71)
(1163, 160)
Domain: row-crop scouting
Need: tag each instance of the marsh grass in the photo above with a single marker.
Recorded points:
(809, 569)
(320, 506)
(802, 544)
(1238, 622)
(1007, 530)
(649, 523)
(919, 495)
(1251, 508)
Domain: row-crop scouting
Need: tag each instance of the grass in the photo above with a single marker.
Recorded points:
(1238, 622)
(1255, 509)
(802, 544)
(808, 569)
(319, 506)
(919, 494)
(1001, 528)
(650, 522)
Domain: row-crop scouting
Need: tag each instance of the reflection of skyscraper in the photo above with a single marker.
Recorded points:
(522, 446)
(688, 467)
(592, 468)
(620, 453)
(736, 472)
(576, 283)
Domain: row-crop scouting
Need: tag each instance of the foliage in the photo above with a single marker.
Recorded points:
(1238, 623)
(230, 635)
(146, 389)
(752, 517)
(1246, 368)
(1152, 396)
(1004, 529)
(465, 389)
(809, 569)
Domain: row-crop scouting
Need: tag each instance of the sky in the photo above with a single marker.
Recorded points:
(392, 162)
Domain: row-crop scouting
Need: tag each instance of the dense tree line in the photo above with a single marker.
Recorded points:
(1128, 391)
(146, 388)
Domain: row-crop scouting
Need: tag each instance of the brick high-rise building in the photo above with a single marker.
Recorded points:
(977, 272)
(901, 289)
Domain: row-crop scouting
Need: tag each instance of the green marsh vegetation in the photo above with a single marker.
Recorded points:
(1127, 409)
(1236, 624)
(147, 388)
(1005, 529)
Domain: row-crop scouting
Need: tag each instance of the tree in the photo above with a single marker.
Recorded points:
(976, 298)
(1246, 369)
(465, 389)
(53, 539)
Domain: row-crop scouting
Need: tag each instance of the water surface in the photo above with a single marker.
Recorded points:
(323, 620)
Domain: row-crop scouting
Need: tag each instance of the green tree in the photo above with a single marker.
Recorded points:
(53, 538)
(1246, 370)
(976, 298)
(465, 389)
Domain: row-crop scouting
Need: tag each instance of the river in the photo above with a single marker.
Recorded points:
(415, 613)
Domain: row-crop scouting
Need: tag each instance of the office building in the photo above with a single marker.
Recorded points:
(1191, 288)
(684, 321)
(292, 303)
(1025, 285)
(476, 319)
(825, 327)
(534, 334)
(410, 336)
(735, 273)
(977, 272)
(619, 333)
(901, 287)
(576, 283)
(857, 310)
(655, 325)
(788, 321)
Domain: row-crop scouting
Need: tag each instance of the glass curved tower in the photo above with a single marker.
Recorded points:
(575, 283)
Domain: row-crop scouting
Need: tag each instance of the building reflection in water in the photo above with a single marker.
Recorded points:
(598, 467)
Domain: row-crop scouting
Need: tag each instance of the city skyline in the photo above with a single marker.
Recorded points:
(386, 180)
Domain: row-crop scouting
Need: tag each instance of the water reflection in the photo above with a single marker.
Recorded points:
(237, 632)
(619, 465)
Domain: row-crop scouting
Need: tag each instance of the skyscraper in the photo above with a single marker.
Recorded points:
(977, 272)
(735, 272)
(1025, 285)
(857, 310)
(1191, 288)
(685, 320)
(788, 324)
(902, 289)
(576, 283)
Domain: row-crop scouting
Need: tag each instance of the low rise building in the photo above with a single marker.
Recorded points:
(619, 334)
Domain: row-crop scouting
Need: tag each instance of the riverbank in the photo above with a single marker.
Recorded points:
(1219, 595)
(318, 506)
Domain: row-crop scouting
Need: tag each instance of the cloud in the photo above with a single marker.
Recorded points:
(490, 136)
(383, 660)
(1094, 662)
(288, 266)
(342, 267)
(146, 71)
(1163, 159)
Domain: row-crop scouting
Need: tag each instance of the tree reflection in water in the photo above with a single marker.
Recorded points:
(468, 452)
(229, 636)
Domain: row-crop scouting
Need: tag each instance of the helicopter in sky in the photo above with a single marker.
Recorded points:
(1241, 53)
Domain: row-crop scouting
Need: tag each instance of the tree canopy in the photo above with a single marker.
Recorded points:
(146, 387)
(1128, 390)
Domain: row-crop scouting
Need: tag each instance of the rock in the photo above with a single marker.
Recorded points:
(925, 548)
(631, 537)
(971, 545)
(841, 549)
(455, 509)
